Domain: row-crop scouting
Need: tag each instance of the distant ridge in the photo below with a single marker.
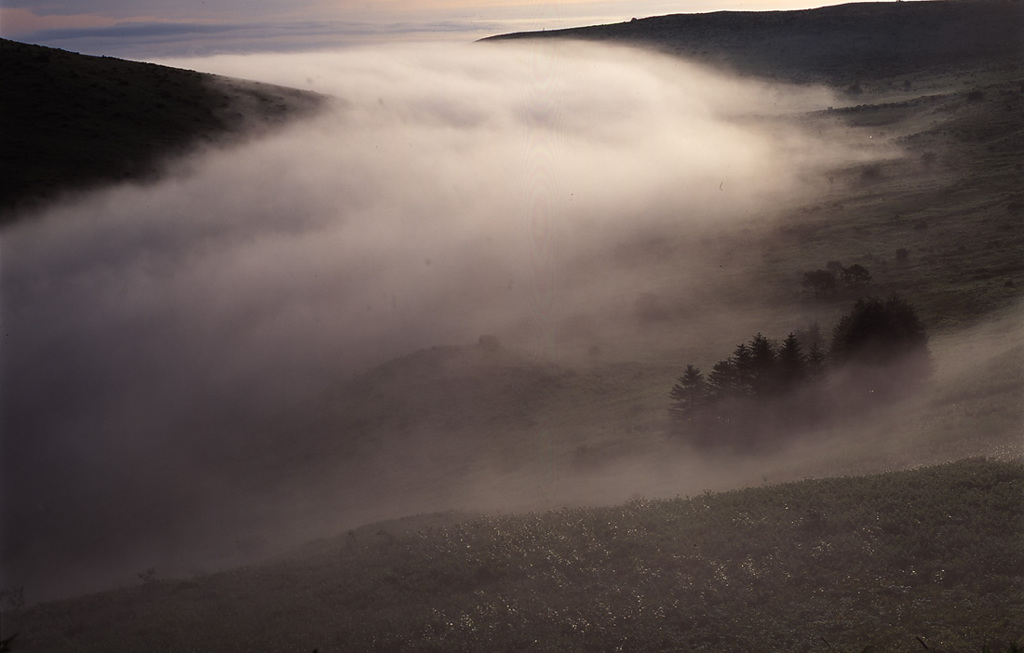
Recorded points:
(71, 122)
(837, 44)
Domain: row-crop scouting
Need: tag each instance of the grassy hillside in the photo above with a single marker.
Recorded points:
(838, 45)
(952, 200)
(73, 121)
(929, 557)
(943, 82)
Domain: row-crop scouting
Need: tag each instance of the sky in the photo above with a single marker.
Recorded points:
(151, 28)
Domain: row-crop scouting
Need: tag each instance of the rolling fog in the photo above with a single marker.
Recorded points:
(448, 192)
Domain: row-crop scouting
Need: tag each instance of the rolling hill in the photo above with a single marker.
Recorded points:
(73, 122)
(839, 45)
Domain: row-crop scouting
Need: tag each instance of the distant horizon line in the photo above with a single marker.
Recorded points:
(161, 39)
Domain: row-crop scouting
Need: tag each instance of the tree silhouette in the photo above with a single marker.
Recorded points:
(762, 391)
(815, 361)
(810, 336)
(743, 360)
(689, 395)
(877, 331)
(723, 381)
(792, 363)
(763, 378)
(884, 343)
(822, 282)
(855, 275)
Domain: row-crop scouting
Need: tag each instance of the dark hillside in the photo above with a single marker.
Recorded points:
(71, 121)
(838, 44)
(891, 562)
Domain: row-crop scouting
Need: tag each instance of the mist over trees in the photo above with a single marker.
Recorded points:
(825, 283)
(765, 389)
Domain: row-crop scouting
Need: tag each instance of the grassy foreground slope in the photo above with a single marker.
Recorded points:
(72, 121)
(929, 556)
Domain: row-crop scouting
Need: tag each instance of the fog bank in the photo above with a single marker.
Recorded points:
(449, 192)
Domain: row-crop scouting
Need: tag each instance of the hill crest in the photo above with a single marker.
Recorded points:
(837, 44)
(74, 122)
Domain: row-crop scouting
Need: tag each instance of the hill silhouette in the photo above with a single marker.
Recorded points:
(73, 121)
(838, 45)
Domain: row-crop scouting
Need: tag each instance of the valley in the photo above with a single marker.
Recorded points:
(519, 488)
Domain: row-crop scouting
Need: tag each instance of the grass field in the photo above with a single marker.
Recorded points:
(929, 557)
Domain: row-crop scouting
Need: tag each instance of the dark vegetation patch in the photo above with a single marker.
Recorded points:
(72, 122)
(892, 561)
(767, 391)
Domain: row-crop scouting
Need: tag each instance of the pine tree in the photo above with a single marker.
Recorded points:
(743, 361)
(815, 361)
(792, 363)
(764, 379)
(723, 380)
(810, 336)
(689, 395)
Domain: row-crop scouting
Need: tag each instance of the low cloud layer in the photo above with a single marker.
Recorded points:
(449, 192)
(146, 29)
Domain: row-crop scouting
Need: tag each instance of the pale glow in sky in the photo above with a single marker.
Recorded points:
(154, 28)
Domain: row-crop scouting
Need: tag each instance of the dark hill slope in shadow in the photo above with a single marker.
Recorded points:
(837, 45)
(72, 121)
(812, 566)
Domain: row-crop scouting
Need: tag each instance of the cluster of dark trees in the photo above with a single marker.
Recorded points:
(825, 282)
(878, 352)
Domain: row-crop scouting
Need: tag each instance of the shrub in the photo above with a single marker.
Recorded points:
(856, 275)
(877, 331)
(883, 345)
